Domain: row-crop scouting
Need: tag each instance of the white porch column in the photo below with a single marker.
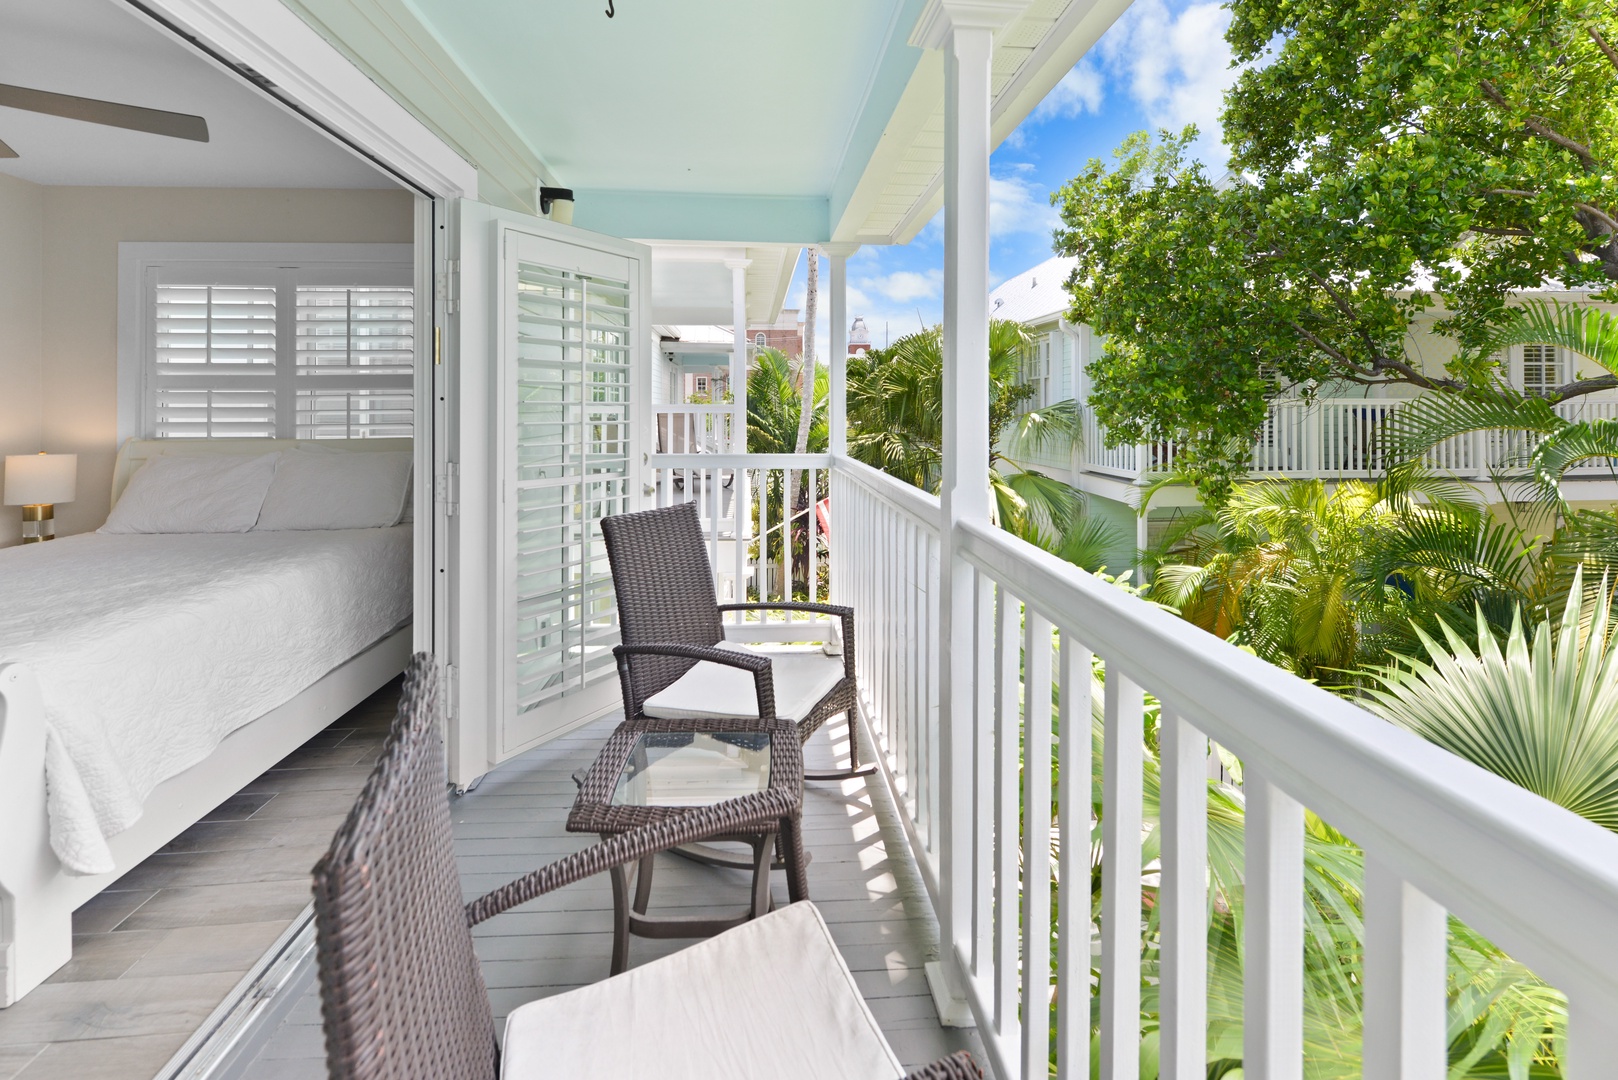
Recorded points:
(738, 354)
(837, 391)
(964, 30)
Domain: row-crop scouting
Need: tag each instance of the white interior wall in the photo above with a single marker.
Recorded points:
(22, 247)
(77, 285)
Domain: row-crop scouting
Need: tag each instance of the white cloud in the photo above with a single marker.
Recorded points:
(1019, 205)
(1176, 65)
(1080, 91)
(904, 286)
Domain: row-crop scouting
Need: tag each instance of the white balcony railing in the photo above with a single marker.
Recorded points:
(696, 429)
(984, 785)
(1332, 439)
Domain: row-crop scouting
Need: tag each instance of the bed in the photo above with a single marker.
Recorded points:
(145, 678)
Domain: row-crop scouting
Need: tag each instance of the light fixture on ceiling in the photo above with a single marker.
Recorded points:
(556, 203)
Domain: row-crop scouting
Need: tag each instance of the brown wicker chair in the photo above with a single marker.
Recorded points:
(665, 591)
(402, 994)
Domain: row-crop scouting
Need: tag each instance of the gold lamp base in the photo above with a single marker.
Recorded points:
(38, 523)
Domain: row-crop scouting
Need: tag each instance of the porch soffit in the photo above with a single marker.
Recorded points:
(691, 283)
(901, 187)
(780, 124)
(386, 40)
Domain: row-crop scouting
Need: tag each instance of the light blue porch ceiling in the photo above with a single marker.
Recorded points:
(716, 119)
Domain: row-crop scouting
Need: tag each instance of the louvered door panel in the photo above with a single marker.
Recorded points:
(570, 320)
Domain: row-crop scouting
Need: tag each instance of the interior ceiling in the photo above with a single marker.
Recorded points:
(721, 96)
(103, 49)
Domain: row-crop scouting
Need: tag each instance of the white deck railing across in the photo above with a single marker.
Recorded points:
(696, 429)
(1332, 438)
(1439, 834)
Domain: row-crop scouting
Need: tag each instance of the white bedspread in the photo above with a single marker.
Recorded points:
(150, 649)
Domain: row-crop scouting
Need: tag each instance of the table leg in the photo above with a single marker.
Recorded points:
(620, 919)
(763, 852)
(643, 885)
(792, 854)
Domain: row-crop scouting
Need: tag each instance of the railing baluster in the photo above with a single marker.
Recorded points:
(933, 655)
(1272, 976)
(1073, 865)
(983, 776)
(1121, 790)
(914, 672)
(1183, 897)
(1008, 641)
(1406, 935)
(1036, 852)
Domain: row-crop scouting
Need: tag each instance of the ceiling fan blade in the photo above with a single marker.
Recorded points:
(6, 151)
(111, 113)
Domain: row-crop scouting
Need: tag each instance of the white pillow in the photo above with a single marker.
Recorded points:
(316, 489)
(215, 493)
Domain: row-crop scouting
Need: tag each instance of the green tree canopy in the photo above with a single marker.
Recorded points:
(1388, 157)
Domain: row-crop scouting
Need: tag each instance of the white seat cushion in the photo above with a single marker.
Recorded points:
(802, 677)
(770, 998)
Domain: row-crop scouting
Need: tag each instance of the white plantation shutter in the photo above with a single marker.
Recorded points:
(1541, 369)
(571, 468)
(355, 351)
(214, 362)
(266, 349)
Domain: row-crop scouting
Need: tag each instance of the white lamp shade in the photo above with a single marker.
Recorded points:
(41, 478)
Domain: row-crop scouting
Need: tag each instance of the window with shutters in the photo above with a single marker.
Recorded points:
(268, 341)
(1542, 370)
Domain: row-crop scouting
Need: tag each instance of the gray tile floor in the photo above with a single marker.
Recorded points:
(860, 876)
(157, 951)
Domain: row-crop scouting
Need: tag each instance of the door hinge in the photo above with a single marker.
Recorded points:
(447, 488)
(449, 286)
(452, 688)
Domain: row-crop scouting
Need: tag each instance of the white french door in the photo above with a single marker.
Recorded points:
(570, 327)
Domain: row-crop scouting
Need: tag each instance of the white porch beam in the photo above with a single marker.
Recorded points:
(964, 30)
(738, 354)
(837, 390)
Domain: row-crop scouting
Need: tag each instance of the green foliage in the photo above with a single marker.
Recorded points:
(1321, 582)
(1541, 713)
(1386, 154)
(1503, 1022)
(896, 424)
(1547, 444)
(774, 404)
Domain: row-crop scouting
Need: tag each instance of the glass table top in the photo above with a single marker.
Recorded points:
(693, 768)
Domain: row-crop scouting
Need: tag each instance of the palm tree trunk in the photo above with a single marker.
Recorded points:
(806, 406)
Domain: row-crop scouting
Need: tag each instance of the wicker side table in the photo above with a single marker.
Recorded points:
(652, 768)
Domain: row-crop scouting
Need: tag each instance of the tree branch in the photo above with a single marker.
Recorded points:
(1491, 230)
(1599, 214)
(1601, 43)
(1542, 127)
(1580, 387)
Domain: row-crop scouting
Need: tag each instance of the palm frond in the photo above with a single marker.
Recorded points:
(1542, 712)
(1424, 422)
(1591, 332)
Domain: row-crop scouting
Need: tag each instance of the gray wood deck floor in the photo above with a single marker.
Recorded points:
(163, 945)
(859, 875)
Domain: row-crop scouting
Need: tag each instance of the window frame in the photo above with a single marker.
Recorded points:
(143, 266)
(1562, 360)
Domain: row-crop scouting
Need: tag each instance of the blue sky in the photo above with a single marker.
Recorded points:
(1163, 64)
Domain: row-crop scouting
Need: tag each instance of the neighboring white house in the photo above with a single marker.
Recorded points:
(1327, 438)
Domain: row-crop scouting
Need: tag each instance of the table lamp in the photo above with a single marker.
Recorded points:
(36, 482)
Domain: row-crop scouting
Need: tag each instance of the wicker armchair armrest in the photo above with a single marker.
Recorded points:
(747, 813)
(843, 612)
(763, 673)
(958, 1066)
